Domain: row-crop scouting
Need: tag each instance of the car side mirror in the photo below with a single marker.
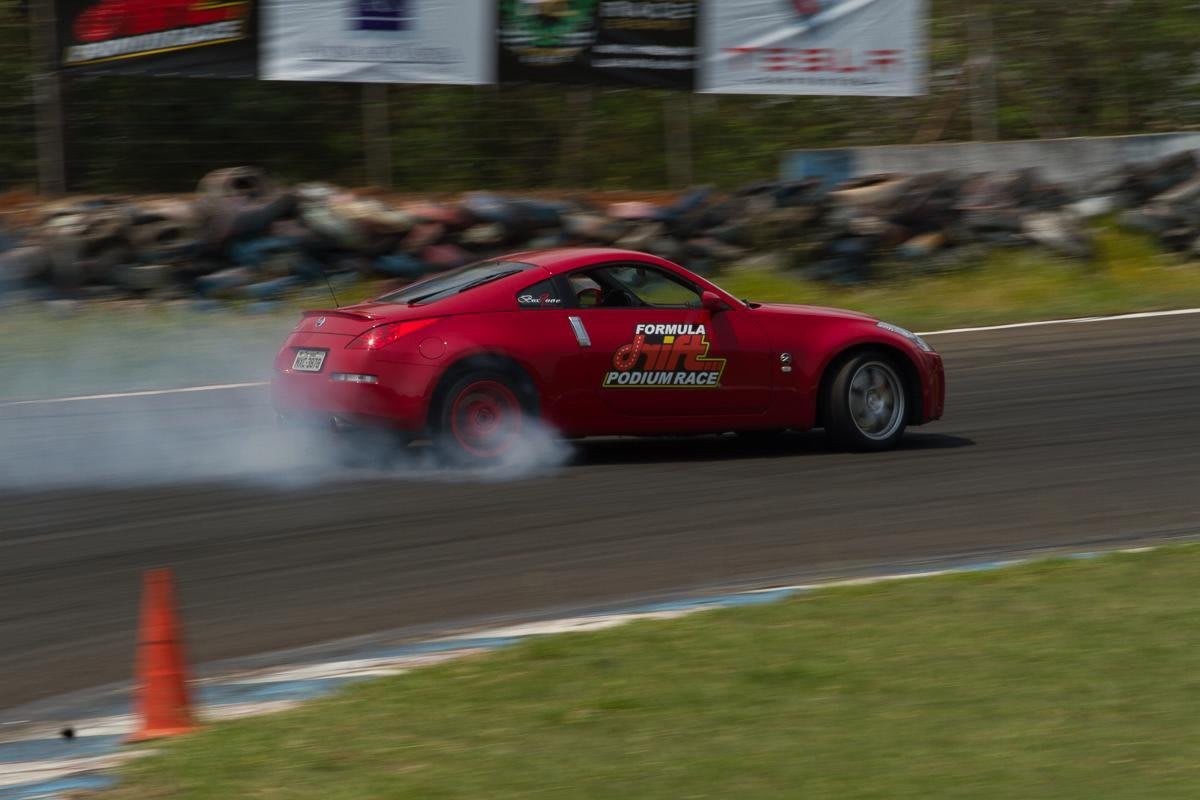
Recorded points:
(712, 302)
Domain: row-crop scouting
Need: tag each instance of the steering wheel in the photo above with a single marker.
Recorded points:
(620, 298)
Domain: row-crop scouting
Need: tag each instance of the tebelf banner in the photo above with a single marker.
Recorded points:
(158, 37)
(379, 41)
(650, 43)
(830, 47)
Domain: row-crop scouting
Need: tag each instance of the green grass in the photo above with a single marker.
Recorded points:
(1063, 679)
(1130, 273)
(111, 347)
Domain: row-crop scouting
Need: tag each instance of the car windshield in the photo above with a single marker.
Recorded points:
(456, 282)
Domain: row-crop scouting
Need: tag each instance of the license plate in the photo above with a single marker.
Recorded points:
(308, 360)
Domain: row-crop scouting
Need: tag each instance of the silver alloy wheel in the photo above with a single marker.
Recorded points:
(876, 400)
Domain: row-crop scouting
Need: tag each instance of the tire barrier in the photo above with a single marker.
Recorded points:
(245, 236)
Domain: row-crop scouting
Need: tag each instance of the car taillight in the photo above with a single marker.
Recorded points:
(381, 336)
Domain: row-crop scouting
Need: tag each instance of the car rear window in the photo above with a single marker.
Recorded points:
(454, 282)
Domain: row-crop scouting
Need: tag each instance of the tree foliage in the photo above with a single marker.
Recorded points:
(1111, 67)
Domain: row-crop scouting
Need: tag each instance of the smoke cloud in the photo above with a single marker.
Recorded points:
(227, 435)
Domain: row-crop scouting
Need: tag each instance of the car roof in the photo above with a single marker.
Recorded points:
(565, 259)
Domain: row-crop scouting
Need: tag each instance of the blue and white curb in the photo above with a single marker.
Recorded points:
(37, 762)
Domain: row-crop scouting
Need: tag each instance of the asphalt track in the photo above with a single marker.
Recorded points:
(1063, 435)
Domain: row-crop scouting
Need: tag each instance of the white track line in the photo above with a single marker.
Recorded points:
(1073, 321)
(149, 393)
(946, 332)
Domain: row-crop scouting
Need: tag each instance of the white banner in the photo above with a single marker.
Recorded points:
(832, 47)
(379, 41)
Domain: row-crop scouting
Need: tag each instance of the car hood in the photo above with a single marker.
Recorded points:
(814, 311)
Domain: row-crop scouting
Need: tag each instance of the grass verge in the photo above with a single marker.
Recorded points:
(1130, 273)
(1064, 679)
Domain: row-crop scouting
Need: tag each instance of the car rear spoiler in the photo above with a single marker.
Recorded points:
(357, 315)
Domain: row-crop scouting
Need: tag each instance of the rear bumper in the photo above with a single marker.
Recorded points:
(400, 399)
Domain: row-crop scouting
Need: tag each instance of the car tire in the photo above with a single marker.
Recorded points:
(866, 406)
(483, 415)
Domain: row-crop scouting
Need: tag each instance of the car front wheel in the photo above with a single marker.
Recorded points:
(867, 404)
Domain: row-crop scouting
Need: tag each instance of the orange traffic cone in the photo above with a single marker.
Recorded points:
(163, 705)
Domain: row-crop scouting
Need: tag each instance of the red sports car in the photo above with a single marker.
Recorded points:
(600, 342)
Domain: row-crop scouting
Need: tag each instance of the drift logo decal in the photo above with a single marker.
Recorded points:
(674, 356)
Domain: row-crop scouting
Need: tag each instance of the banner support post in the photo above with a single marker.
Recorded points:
(377, 135)
(982, 60)
(47, 99)
(574, 170)
(677, 126)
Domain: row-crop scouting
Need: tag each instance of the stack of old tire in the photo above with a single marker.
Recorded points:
(1162, 199)
(243, 235)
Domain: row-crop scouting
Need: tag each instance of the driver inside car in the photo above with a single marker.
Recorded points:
(591, 294)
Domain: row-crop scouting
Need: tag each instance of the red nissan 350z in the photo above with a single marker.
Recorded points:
(600, 342)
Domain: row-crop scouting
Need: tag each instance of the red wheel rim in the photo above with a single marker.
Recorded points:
(486, 419)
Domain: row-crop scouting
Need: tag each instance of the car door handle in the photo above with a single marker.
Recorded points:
(581, 334)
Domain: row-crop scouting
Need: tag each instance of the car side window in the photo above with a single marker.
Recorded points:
(543, 294)
(632, 286)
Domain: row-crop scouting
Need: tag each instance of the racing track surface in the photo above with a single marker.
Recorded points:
(1056, 435)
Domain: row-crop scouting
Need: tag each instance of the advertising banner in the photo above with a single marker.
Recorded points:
(158, 37)
(649, 43)
(830, 47)
(379, 41)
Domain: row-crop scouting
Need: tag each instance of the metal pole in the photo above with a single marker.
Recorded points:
(377, 136)
(47, 99)
(677, 126)
(574, 169)
(983, 72)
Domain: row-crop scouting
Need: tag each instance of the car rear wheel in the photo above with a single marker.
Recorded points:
(483, 416)
(867, 404)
